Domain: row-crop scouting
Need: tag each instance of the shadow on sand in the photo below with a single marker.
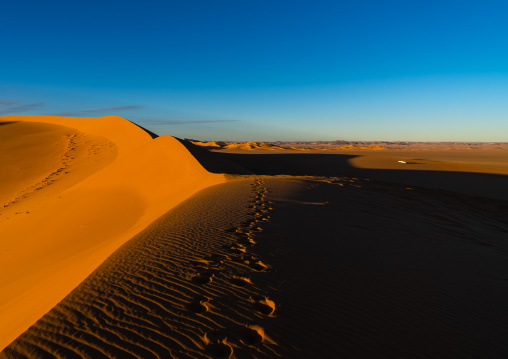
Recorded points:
(338, 165)
(213, 162)
(2, 123)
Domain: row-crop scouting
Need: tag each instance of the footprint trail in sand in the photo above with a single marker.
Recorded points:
(181, 288)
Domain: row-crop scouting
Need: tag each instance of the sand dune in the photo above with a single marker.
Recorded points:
(239, 145)
(397, 147)
(296, 255)
(293, 267)
(184, 287)
(87, 188)
(418, 156)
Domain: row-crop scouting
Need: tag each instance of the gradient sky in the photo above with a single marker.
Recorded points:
(264, 70)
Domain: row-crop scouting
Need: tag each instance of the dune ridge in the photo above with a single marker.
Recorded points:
(35, 154)
(111, 182)
(125, 134)
(189, 285)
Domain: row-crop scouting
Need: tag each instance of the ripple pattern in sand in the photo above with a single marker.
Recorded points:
(182, 288)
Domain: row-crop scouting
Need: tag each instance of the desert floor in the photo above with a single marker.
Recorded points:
(247, 253)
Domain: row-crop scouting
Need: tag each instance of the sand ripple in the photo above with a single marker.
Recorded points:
(181, 288)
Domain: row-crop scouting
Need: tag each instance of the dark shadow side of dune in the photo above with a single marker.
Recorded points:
(153, 135)
(6, 122)
(213, 162)
(337, 165)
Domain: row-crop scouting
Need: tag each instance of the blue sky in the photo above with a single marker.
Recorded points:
(264, 70)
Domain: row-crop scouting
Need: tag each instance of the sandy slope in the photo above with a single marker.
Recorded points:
(184, 287)
(462, 160)
(324, 265)
(371, 269)
(295, 267)
(86, 188)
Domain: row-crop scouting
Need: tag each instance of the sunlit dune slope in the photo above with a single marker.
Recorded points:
(73, 190)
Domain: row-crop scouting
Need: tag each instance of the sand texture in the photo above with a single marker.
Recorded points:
(184, 287)
(72, 197)
(297, 255)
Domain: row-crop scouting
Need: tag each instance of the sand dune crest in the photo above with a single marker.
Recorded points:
(88, 200)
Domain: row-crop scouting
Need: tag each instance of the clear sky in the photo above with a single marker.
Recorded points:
(264, 70)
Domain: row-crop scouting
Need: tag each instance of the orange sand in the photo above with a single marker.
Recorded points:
(73, 195)
(299, 254)
(238, 146)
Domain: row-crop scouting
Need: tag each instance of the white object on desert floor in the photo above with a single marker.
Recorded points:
(402, 162)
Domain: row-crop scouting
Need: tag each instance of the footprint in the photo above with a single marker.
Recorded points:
(264, 305)
(247, 241)
(219, 350)
(239, 249)
(252, 335)
(240, 281)
(217, 345)
(198, 306)
(258, 266)
(202, 278)
(250, 257)
(241, 234)
(234, 250)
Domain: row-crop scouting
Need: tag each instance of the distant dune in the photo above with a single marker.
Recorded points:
(393, 145)
(418, 156)
(354, 145)
(73, 190)
(238, 145)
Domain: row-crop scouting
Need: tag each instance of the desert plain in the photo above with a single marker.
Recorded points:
(118, 243)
